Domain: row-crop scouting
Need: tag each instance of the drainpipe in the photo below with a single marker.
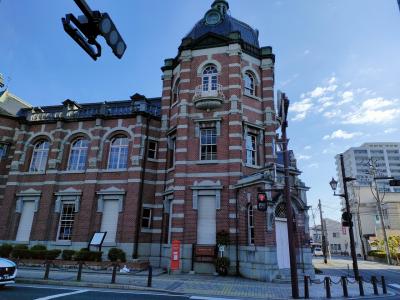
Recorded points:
(237, 231)
(142, 174)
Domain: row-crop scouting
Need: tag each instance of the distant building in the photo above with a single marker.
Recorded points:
(337, 237)
(362, 202)
(11, 104)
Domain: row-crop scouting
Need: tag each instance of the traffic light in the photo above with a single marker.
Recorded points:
(346, 219)
(111, 35)
(394, 182)
(261, 201)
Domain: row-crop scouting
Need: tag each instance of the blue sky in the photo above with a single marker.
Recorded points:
(337, 60)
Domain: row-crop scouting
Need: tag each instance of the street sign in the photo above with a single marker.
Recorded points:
(262, 201)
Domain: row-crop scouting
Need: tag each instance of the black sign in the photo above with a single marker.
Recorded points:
(394, 182)
(346, 219)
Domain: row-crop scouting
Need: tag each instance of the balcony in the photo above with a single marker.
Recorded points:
(208, 97)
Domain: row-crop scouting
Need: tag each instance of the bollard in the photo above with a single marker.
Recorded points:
(47, 270)
(374, 284)
(306, 291)
(79, 276)
(150, 276)
(328, 287)
(344, 286)
(360, 286)
(114, 273)
(384, 290)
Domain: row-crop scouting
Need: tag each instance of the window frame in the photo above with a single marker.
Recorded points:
(209, 79)
(43, 162)
(250, 225)
(208, 155)
(149, 218)
(3, 151)
(155, 150)
(254, 151)
(60, 220)
(249, 84)
(175, 91)
(80, 150)
(120, 147)
(171, 151)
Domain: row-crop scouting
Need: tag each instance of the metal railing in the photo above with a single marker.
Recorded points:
(213, 90)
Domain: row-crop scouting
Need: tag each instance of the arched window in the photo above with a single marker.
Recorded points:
(176, 91)
(210, 79)
(118, 157)
(39, 156)
(250, 224)
(249, 86)
(78, 155)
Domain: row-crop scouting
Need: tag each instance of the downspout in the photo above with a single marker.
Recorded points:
(166, 170)
(142, 174)
(237, 231)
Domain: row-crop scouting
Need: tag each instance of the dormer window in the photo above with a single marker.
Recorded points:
(210, 79)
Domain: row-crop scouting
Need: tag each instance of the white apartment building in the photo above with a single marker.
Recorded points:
(363, 203)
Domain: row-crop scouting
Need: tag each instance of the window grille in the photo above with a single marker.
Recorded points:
(210, 79)
(118, 158)
(280, 211)
(249, 84)
(208, 144)
(66, 221)
(251, 149)
(78, 155)
(39, 157)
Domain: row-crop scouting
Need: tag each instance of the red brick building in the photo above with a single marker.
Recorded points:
(148, 171)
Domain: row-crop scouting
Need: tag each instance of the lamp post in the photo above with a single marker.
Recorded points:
(345, 195)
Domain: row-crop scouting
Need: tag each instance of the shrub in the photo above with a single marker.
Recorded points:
(38, 252)
(222, 265)
(377, 253)
(116, 254)
(21, 251)
(85, 255)
(38, 248)
(5, 250)
(52, 254)
(68, 254)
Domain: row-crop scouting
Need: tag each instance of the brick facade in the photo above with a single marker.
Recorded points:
(174, 182)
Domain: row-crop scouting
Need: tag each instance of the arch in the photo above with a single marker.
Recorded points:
(40, 136)
(78, 154)
(107, 137)
(40, 155)
(206, 63)
(118, 152)
(253, 72)
(70, 137)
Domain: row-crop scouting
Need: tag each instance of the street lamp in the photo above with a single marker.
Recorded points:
(333, 183)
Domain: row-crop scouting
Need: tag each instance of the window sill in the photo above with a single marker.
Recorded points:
(109, 244)
(73, 172)
(252, 166)
(62, 243)
(35, 173)
(207, 162)
(152, 159)
(114, 170)
(252, 97)
(171, 169)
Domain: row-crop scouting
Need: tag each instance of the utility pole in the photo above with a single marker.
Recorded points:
(372, 166)
(322, 232)
(283, 107)
(359, 222)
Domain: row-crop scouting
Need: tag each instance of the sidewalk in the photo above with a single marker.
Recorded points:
(204, 285)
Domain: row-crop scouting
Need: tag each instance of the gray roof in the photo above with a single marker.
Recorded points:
(227, 26)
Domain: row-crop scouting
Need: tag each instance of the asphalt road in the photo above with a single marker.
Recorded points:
(36, 292)
(340, 266)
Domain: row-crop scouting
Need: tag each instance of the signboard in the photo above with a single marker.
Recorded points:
(175, 254)
(394, 182)
(97, 239)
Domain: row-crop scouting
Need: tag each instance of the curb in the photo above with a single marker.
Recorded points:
(93, 285)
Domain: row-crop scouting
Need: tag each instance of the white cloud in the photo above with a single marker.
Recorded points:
(303, 157)
(347, 96)
(374, 111)
(301, 109)
(390, 130)
(306, 52)
(341, 134)
(308, 147)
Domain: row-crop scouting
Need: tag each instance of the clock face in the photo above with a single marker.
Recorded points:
(213, 17)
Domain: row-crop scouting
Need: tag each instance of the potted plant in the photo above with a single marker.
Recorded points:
(222, 265)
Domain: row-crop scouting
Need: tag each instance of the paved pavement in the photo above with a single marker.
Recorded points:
(180, 285)
(342, 266)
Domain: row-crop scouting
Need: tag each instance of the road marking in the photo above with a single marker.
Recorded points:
(62, 295)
